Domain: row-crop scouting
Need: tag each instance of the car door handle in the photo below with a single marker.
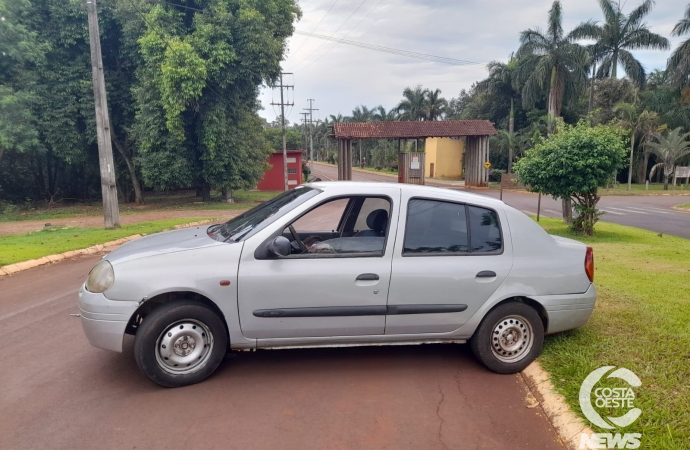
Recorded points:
(367, 277)
(486, 274)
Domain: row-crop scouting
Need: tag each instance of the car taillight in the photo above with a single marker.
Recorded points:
(589, 264)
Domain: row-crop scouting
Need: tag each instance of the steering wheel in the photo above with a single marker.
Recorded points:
(299, 241)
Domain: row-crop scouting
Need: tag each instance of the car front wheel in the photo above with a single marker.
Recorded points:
(509, 338)
(180, 343)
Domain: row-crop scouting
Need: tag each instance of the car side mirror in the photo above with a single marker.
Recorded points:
(280, 246)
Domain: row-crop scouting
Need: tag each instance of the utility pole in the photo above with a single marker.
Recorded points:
(311, 109)
(283, 104)
(111, 211)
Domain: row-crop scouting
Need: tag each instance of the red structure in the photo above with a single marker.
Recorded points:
(273, 178)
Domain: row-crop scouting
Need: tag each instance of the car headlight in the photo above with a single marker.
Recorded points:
(101, 278)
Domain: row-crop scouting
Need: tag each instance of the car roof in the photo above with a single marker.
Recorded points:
(355, 187)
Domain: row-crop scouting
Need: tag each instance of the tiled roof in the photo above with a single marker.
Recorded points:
(412, 130)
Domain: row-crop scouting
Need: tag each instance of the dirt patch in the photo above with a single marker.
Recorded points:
(27, 226)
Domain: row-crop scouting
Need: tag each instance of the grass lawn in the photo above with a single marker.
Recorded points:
(641, 322)
(55, 240)
(153, 202)
(684, 206)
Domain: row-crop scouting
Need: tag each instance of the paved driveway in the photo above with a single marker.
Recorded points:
(60, 393)
(653, 213)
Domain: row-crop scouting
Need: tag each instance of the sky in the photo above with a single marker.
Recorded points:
(340, 77)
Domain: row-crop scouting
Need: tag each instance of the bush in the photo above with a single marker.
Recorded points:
(572, 164)
(496, 174)
(378, 167)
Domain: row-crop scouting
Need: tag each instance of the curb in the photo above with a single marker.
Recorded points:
(107, 246)
(568, 425)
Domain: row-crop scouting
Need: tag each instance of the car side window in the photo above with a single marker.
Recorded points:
(485, 230)
(332, 228)
(435, 227)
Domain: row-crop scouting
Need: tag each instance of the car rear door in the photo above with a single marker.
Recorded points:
(318, 294)
(450, 257)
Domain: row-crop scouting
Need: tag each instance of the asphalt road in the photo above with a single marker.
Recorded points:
(649, 212)
(58, 392)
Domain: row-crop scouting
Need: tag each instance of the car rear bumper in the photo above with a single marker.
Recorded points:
(567, 312)
(104, 321)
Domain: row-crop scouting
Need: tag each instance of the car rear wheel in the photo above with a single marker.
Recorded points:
(180, 343)
(509, 338)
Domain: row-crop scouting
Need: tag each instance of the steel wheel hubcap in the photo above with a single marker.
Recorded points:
(511, 339)
(184, 347)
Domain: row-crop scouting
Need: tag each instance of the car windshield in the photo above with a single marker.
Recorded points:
(243, 226)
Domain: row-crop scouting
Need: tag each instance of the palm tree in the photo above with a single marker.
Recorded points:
(668, 149)
(379, 114)
(338, 119)
(639, 123)
(619, 34)
(503, 82)
(413, 105)
(679, 62)
(551, 61)
(435, 106)
(361, 114)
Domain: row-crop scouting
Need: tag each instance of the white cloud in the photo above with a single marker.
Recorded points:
(341, 77)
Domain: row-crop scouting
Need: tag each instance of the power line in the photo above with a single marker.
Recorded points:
(317, 26)
(338, 29)
(283, 104)
(394, 51)
(348, 33)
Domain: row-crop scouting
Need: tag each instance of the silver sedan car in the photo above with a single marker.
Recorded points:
(333, 264)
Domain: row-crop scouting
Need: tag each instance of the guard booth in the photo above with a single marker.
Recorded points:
(475, 132)
(411, 168)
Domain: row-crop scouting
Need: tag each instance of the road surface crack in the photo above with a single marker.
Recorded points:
(438, 414)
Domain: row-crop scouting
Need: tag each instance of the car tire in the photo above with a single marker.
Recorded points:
(180, 343)
(509, 338)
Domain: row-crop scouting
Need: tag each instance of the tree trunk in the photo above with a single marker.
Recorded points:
(205, 192)
(614, 68)
(591, 89)
(555, 94)
(567, 206)
(642, 168)
(138, 196)
(227, 195)
(2, 153)
(511, 129)
(630, 171)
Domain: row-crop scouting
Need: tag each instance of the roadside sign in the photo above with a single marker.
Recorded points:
(487, 164)
(414, 165)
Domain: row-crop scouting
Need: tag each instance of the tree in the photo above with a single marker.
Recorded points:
(617, 36)
(503, 82)
(607, 93)
(198, 86)
(573, 164)
(435, 106)
(638, 122)
(668, 148)
(379, 114)
(551, 62)
(413, 105)
(679, 62)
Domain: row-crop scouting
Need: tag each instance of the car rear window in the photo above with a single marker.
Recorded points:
(485, 231)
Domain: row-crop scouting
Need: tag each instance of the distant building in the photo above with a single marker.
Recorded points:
(443, 157)
(273, 178)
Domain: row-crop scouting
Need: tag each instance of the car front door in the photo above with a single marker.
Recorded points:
(449, 259)
(338, 286)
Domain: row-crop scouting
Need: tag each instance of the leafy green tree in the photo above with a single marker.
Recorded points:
(679, 62)
(617, 36)
(551, 62)
(293, 139)
(639, 123)
(198, 86)
(413, 105)
(503, 82)
(435, 107)
(607, 93)
(573, 164)
(668, 148)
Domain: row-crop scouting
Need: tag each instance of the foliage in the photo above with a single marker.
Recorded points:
(573, 164)
(619, 34)
(551, 62)
(293, 139)
(669, 148)
(679, 62)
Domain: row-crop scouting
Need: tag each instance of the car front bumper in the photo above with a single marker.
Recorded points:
(104, 321)
(567, 312)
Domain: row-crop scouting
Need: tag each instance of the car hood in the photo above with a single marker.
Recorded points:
(160, 243)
